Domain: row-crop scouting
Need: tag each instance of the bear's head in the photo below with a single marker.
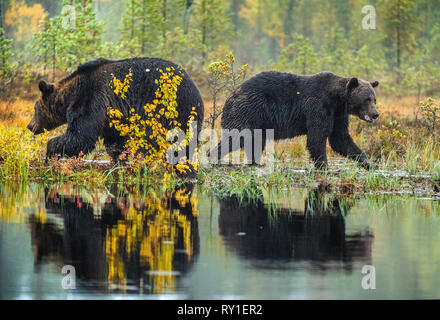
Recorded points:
(362, 99)
(49, 110)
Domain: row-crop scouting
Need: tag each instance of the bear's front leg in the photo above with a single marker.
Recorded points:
(55, 146)
(342, 143)
(70, 144)
(83, 130)
(366, 164)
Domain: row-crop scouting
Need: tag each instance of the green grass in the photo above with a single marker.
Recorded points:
(419, 164)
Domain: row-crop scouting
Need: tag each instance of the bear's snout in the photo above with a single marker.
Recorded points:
(371, 114)
(33, 128)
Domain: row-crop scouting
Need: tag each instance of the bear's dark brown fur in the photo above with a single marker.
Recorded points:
(292, 105)
(81, 100)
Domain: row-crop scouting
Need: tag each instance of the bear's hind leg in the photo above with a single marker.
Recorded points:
(255, 153)
(317, 149)
(226, 145)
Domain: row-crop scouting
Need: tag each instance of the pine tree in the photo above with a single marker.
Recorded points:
(400, 27)
(47, 44)
(335, 52)
(214, 23)
(147, 24)
(82, 40)
(139, 24)
(6, 69)
(298, 57)
(66, 40)
(422, 70)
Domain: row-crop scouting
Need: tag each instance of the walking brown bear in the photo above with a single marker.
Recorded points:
(81, 100)
(292, 105)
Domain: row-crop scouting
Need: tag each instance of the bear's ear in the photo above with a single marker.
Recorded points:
(353, 83)
(374, 84)
(45, 88)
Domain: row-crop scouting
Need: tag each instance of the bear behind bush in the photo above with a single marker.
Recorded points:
(81, 100)
(317, 106)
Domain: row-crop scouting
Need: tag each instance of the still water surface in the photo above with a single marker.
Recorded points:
(190, 245)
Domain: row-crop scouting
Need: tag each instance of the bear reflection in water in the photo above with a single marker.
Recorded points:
(144, 244)
(317, 234)
(125, 243)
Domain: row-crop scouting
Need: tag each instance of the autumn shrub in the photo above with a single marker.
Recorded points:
(223, 78)
(390, 138)
(149, 135)
(430, 116)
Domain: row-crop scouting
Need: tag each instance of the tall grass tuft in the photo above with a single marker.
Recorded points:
(20, 150)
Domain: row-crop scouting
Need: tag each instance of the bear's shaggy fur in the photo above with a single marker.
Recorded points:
(81, 100)
(317, 106)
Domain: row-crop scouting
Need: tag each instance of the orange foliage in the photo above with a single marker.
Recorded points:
(23, 19)
(17, 112)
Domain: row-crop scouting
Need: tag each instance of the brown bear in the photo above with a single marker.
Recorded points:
(292, 105)
(82, 98)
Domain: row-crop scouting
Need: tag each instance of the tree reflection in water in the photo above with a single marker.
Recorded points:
(137, 241)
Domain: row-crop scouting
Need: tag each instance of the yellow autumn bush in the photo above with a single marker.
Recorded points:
(147, 134)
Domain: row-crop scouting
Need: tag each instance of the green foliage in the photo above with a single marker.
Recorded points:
(400, 26)
(365, 65)
(223, 80)
(390, 140)
(211, 19)
(298, 57)
(294, 36)
(184, 48)
(141, 23)
(335, 50)
(6, 68)
(47, 44)
(422, 70)
(341, 56)
(184, 31)
(82, 40)
(5, 55)
(68, 39)
(115, 51)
